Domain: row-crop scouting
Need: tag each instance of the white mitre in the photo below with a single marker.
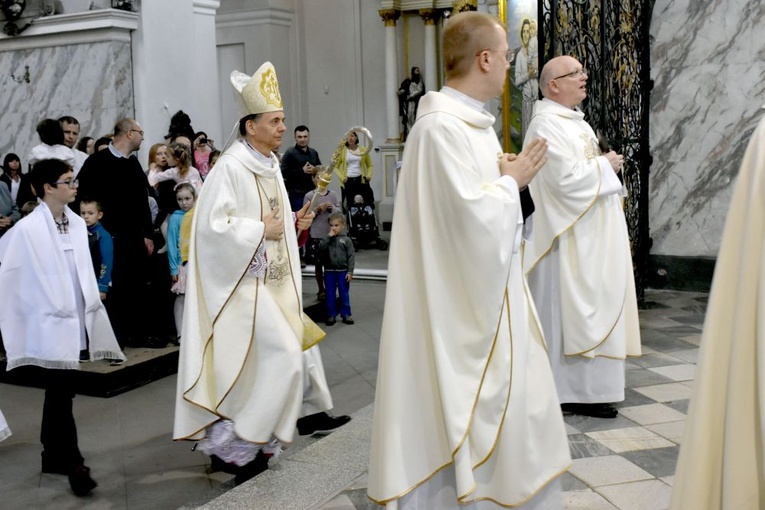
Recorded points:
(257, 94)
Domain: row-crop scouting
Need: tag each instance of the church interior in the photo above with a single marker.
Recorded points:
(675, 85)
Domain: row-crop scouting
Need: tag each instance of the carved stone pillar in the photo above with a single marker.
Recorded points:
(430, 70)
(390, 16)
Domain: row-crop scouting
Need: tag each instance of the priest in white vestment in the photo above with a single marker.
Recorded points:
(722, 458)
(243, 378)
(578, 261)
(466, 414)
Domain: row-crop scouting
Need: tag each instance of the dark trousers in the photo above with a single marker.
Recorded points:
(129, 288)
(335, 282)
(58, 433)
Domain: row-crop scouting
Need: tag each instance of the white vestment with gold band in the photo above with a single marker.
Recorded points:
(242, 354)
(464, 385)
(578, 260)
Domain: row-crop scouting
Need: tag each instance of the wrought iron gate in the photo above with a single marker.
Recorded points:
(611, 39)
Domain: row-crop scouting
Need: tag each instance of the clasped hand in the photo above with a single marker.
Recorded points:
(525, 165)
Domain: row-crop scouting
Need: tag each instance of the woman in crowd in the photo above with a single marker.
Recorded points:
(355, 172)
(12, 174)
(86, 145)
(179, 159)
(203, 146)
(157, 163)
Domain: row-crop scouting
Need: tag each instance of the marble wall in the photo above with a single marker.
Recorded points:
(92, 82)
(708, 67)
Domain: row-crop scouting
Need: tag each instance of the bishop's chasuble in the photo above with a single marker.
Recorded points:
(578, 260)
(241, 356)
(464, 384)
(722, 457)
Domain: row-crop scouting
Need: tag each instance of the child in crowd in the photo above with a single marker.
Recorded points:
(101, 244)
(336, 253)
(28, 207)
(178, 239)
(214, 155)
(44, 259)
(101, 253)
(325, 205)
(179, 158)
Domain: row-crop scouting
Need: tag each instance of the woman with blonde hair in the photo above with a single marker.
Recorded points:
(179, 158)
(355, 172)
(157, 162)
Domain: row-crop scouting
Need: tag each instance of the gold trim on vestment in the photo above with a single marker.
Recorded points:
(605, 339)
(506, 305)
(212, 330)
(470, 419)
(576, 220)
(532, 496)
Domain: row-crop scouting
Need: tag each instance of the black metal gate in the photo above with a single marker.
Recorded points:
(611, 39)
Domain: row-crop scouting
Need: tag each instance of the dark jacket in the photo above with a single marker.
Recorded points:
(297, 182)
(337, 253)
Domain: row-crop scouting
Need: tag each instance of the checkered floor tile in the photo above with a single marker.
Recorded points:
(627, 463)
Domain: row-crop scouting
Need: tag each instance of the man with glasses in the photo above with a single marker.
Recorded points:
(465, 408)
(578, 262)
(114, 178)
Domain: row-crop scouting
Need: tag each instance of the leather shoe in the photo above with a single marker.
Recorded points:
(348, 320)
(320, 423)
(55, 468)
(253, 468)
(593, 410)
(330, 321)
(80, 480)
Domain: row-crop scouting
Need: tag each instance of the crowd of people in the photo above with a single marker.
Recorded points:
(211, 256)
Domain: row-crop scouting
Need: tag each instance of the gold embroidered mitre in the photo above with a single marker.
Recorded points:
(257, 94)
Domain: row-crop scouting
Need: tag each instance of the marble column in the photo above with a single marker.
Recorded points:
(389, 16)
(430, 70)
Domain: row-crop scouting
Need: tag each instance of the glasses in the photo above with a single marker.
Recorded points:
(137, 131)
(508, 53)
(72, 183)
(574, 74)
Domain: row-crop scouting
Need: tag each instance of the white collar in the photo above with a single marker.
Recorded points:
(463, 98)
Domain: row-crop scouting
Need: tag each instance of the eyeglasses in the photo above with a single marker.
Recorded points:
(574, 74)
(137, 131)
(72, 183)
(508, 53)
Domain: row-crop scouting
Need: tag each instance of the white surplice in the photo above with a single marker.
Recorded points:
(465, 398)
(722, 457)
(242, 354)
(5, 431)
(578, 261)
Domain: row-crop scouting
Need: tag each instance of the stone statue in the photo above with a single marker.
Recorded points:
(409, 94)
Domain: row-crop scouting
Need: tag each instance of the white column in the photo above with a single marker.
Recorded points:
(430, 70)
(206, 112)
(389, 16)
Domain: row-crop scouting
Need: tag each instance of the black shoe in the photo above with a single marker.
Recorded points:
(154, 342)
(80, 480)
(320, 423)
(254, 468)
(321, 296)
(331, 321)
(348, 320)
(593, 410)
(218, 464)
(84, 355)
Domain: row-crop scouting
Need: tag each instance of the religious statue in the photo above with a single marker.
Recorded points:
(409, 94)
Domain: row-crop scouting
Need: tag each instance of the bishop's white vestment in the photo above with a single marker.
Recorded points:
(464, 395)
(722, 457)
(242, 357)
(578, 261)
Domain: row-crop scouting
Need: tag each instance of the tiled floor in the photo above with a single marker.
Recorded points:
(627, 463)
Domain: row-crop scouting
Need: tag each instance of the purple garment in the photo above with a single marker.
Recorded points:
(320, 225)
